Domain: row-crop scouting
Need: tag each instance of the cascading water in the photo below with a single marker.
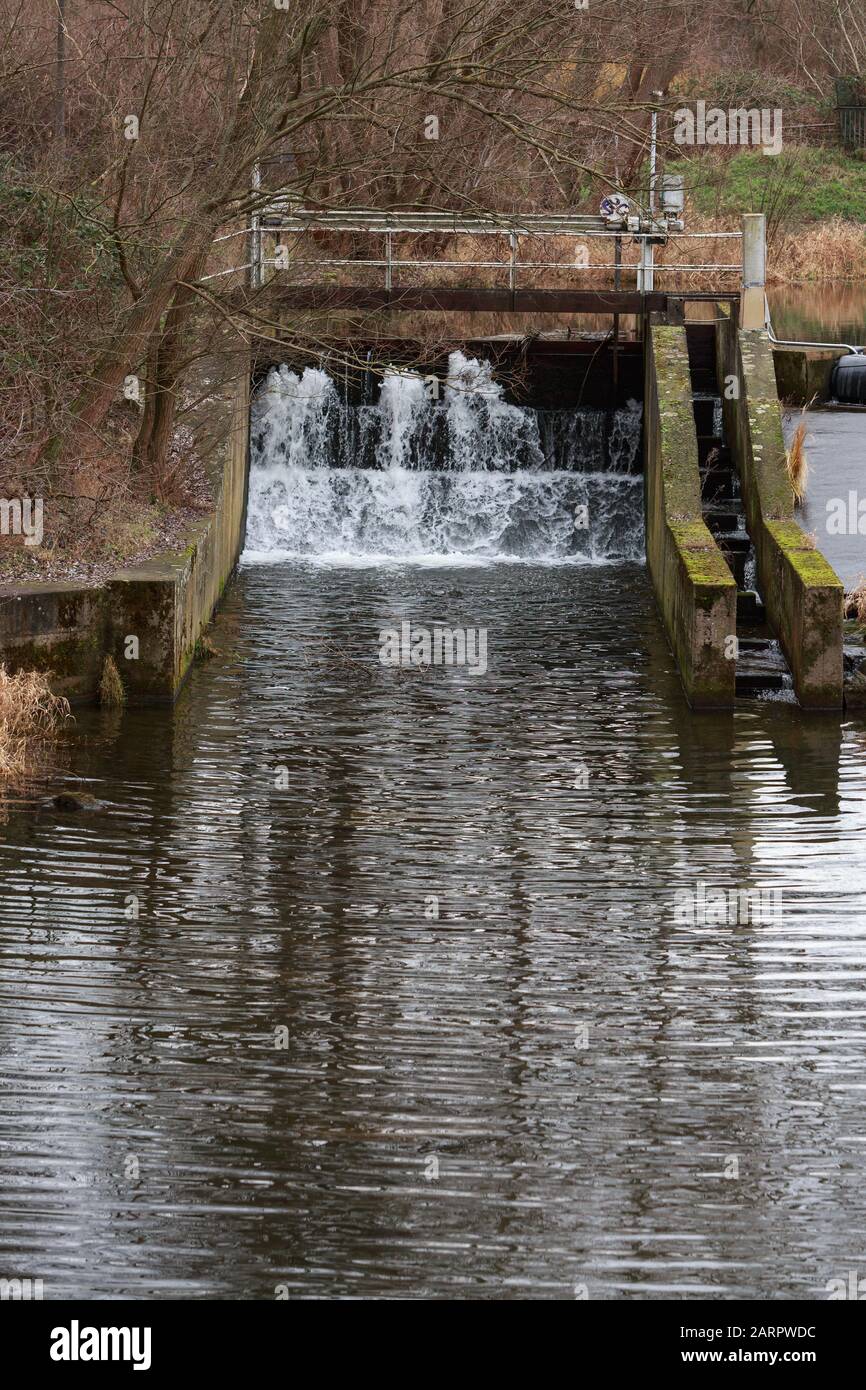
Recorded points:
(465, 478)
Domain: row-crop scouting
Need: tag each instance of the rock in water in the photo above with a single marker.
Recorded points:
(72, 801)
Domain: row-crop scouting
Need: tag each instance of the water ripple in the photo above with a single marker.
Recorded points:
(376, 983)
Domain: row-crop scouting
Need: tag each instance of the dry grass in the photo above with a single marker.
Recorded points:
(797, 463)
(831, 250)
(29, 719)
(111, 691)
(204, 649)
(854, 604)
(819, 251)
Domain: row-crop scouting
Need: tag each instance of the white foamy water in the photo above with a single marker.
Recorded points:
(466, 479)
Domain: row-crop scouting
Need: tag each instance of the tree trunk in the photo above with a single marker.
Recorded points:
(657, 77)
(60, 82)
(142, 442)
(168, 372)
(142, 321)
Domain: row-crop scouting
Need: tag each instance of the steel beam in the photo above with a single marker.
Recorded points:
(492, 300)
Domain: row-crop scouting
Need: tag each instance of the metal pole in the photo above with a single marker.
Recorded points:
(255, 255)
(388, 261)
(645, 275)
(617, 284)
(647, 248)
(512, 268)
(752, 299)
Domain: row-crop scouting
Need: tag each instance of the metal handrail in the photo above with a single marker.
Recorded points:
(495, 224)
(791, 342)
(504, 265)
(372, 220)
(279, 216)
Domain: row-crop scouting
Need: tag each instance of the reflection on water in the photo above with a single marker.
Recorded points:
(541, 1087)
(834, 312)
(835, 439)
(835, 451)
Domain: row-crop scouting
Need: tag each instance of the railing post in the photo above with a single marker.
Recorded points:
(645, 270)
(753, 312)
(512, 265)
(389, 252)
(617, 284)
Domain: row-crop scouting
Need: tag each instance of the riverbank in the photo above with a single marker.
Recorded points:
(146, 618)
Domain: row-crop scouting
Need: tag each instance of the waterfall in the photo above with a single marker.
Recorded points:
(457, 475)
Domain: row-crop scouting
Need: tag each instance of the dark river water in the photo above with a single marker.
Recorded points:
(378, 983)
(823, 312)
(835, 440)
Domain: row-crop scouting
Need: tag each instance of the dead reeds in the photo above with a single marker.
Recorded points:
(855, 602)
(111, 691)
(30, 716)
(797, 463)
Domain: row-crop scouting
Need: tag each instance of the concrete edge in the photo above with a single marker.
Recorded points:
(695, 590)
(803, 374)
(802, 593)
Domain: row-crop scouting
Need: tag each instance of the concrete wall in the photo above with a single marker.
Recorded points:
(802, 594)
(164, 603)
(57, 628)
(168, 601)
(803, 375)
(695, 590)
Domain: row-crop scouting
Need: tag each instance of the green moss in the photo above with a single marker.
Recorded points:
(808, 562)
(704, 563)
(204, 649)
(678, 442)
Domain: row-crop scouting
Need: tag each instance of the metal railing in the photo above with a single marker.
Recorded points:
(797, 343)
(280, 218)
(852, 125)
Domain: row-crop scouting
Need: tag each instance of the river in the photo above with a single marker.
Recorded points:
(834, 439)
(378, 982)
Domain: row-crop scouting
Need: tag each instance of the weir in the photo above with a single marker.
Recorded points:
(664, 445)
(684, 467)
(464, 474)
(750, 606)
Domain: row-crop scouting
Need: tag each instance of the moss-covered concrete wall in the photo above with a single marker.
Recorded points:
(57, 628)
(149, 617)
(802, 594)
(166, 603)
(803, 374)
(695, 590)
